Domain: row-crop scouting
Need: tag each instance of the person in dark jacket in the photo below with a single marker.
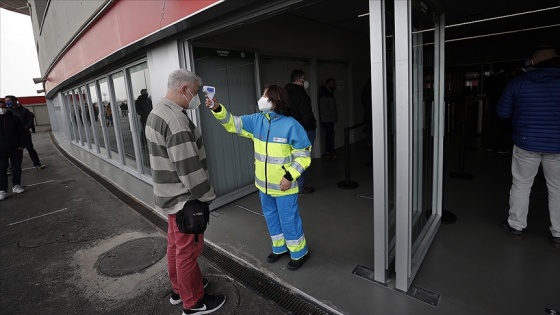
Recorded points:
(532, 101)
(26, 119)
(328, 115)
(32, 127)
(11, 149)
(300, 109)
(143, 106)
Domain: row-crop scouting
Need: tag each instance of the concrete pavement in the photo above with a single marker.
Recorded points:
(71, 244)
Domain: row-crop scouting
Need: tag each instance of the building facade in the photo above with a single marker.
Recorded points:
(96, 56)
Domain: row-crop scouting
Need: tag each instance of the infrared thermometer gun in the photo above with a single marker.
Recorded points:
(210, 91)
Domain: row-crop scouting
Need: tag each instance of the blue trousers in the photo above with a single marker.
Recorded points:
(284, 224)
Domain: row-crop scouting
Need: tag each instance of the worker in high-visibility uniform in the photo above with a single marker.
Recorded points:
(282, 153)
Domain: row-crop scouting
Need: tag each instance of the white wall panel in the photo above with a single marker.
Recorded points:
(162, 60)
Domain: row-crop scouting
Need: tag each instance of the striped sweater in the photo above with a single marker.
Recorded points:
(177, 158)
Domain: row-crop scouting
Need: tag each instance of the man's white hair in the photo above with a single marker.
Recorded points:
(180, 77)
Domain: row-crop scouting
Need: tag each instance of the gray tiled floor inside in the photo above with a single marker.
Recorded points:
(472, 264)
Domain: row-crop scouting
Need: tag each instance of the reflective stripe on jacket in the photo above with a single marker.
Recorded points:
(279, 141)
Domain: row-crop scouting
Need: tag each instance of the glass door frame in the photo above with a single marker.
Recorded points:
(379, 118)
(410, 253)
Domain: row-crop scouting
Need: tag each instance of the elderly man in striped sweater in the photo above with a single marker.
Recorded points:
(179, 172)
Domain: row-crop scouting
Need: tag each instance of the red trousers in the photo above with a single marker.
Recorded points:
(182, 261)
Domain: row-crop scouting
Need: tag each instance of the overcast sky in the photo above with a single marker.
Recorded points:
(18, 57)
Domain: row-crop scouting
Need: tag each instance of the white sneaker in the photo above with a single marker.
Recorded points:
(17, 189)
(3, 195)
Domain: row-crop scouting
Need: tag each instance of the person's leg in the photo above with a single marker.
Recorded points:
(330, 139)
(551, 169)
(16, 157)
(270, 212)
(171, 256)
(187, 272)
(524, 167)
(326, 127)
(301, 179)
(31, 150)
(3, 173)
(292, 227)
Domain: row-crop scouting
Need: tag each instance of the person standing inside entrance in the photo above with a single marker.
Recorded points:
(143, 107)
(328, 116)
(282, 153)
(301, 110)
(180, 176)
(532, 101)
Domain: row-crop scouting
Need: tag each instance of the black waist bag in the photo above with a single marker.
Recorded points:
(193, 218)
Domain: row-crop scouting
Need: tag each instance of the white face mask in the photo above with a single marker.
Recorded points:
(264, 104)
(195, 101)
(305, 84)
(3, 111)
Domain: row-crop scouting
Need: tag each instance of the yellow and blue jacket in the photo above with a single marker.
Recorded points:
(282, 148)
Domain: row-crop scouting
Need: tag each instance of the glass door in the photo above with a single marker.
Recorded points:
(419, 134)
(230, 157)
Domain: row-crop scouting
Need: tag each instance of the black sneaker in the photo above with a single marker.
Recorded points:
(513, 233)
(208, 304)
(296, 264)
(274, 257)
(176, 298)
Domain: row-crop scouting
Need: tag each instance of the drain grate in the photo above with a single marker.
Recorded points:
(264, 285)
